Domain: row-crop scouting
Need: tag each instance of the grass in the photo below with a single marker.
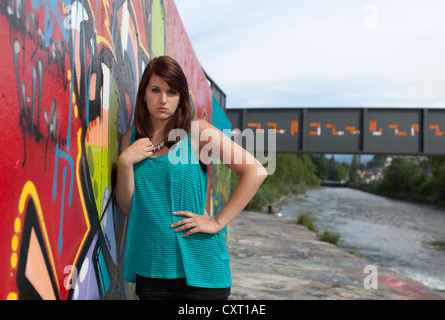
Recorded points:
(307, 219)
(330, 237)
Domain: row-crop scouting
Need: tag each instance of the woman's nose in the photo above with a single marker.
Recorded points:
(164, 97)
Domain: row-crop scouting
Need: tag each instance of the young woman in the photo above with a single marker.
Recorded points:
(174, 249)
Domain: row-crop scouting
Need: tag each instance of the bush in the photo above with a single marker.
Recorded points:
(307, 219)
(263, 196)
(293, 175)
(327, 236)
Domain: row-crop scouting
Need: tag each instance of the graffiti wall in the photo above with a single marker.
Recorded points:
(70, 71)
(219, 175)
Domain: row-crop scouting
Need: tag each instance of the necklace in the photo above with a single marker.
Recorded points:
(157, 147)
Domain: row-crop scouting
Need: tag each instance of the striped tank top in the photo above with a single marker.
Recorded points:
(172, 182)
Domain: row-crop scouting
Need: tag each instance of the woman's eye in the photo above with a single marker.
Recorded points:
(172, 92)
(155, 90)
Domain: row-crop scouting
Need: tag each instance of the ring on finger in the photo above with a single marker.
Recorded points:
(191, 225)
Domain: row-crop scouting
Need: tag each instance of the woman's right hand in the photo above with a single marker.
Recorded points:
(141, 149)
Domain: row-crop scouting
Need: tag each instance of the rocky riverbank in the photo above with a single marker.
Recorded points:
(276, 207)
(276, 258)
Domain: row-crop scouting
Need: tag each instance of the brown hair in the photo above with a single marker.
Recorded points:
(171, 72)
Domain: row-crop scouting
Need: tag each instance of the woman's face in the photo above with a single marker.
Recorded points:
(162, 101)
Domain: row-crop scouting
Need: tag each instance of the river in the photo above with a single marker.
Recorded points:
(398, 235)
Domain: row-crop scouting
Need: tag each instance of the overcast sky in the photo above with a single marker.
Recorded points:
(325, 53)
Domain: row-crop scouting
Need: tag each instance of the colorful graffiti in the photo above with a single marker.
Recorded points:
(219, 174)
(70, 75)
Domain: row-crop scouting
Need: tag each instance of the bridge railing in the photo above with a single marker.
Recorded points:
(395, 131)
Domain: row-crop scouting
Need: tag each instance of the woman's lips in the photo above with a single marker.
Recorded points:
(162, 109)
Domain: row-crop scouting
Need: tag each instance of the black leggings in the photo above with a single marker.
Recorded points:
(175, 289)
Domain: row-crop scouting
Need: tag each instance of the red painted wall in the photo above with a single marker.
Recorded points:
(68, 85)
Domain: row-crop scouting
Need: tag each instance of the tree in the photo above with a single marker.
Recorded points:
(354, 179)
(437, 170)
(293, 175)
(377, 161)
(332, 170)
(404, 178)
(321, 166)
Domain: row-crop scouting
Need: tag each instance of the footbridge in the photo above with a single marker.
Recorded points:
(395, 131)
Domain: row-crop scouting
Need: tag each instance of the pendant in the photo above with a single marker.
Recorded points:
(158, 147)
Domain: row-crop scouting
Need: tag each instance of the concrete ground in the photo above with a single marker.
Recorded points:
(276, 258)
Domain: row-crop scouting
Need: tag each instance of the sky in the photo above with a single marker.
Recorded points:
(321, 53)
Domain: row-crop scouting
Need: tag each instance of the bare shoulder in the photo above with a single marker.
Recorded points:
(126, 138)
(206, 131)
(205, 126)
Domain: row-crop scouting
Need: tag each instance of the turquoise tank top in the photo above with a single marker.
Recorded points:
(163, 185)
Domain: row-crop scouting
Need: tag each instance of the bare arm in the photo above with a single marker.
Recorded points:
(251, 172)
(138, 151)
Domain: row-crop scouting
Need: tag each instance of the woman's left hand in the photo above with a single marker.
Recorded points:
(195, 223)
